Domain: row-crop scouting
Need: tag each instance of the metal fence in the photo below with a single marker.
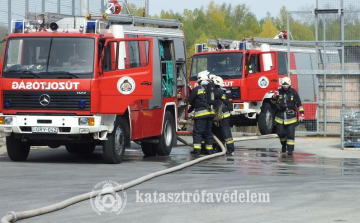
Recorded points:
(324, 55)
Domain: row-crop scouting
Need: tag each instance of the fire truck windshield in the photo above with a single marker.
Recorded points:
(50, 58)
(225, 65)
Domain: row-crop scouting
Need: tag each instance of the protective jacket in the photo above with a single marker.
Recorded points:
(223, 100)
(287, 104)
(198, 101)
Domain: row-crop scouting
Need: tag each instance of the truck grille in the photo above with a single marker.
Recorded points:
(45, 100)
(235, 92)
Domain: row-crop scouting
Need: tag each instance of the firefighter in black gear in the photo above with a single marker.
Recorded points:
(224, 106)
(288, 104)
(203, 116)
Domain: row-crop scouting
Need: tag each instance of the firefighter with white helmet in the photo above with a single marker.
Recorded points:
(288, 104)
(200, 100)
(221, 127)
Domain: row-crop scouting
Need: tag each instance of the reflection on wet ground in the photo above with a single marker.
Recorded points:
(260, 161)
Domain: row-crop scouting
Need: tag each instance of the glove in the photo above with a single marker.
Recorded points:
(275, 95)
(301, 117)
(191, 114)
(189, 86)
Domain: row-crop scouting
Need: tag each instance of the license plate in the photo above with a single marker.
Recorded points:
(44, 129)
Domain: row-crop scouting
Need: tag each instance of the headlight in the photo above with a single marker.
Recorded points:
(8, 120)
(238, 106)
(84, 121)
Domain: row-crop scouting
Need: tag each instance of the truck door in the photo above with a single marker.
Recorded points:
(262, 75)
(126, 76)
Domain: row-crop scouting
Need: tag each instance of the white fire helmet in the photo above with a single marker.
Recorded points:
(285, 82)
(212, 76)
(203, 76)
(218, 81)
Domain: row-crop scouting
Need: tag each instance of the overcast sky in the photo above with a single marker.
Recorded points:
(258, 7)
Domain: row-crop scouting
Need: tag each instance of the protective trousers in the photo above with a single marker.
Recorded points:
(226, 135)
(286, 135)
(202, 130)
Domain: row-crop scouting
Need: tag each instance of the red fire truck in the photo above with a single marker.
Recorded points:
(108, 81)
(252, 70)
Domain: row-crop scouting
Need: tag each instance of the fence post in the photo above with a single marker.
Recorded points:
(73, 7)
(58, 6)
(43, 6)
(9, 15)
(102, 7)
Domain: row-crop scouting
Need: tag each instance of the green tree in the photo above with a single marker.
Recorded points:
(268, 30)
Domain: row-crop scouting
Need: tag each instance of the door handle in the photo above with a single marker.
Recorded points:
(145, 83)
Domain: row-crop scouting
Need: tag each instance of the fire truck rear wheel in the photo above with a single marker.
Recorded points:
(166, 140)
(114, 147)
(266, 119)
(16, 149)
(85, 148)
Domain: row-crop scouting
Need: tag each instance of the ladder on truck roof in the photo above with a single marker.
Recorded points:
(259, 40)
(128, 19)
(228, 42)
(136, 20)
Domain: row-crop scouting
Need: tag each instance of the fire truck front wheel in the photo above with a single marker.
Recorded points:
(266, 119)
(16, 149)
(114, 146)
(166, 140)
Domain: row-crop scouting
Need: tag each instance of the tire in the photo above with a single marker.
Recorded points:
(166, 140)
(86, 148)
(149, 149)
(17, 150)
(114, 146)
(266, 119)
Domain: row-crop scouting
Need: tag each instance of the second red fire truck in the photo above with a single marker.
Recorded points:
(252, 70)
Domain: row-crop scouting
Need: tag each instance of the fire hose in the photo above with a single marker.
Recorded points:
(15, 216)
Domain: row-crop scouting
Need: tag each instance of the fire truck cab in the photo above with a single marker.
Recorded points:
(252, 72)
(108, 81)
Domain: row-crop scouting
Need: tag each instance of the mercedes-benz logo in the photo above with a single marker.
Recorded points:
(44, 100)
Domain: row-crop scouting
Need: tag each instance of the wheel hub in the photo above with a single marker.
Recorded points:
(168, 133)
(119, 140)
(269, 120)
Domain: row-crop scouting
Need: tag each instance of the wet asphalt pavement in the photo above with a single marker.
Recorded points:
(302, 188)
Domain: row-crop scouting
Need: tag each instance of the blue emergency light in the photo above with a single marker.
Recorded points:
(91, 26)
(242, 46)
(18, 26)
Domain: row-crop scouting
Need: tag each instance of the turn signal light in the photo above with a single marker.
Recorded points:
(91, 121)
(1, 120)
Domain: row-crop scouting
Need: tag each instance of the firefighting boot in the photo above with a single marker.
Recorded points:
(229, 152)
(290, 153)
(209, 151)
(196, 152)
(283, 149)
